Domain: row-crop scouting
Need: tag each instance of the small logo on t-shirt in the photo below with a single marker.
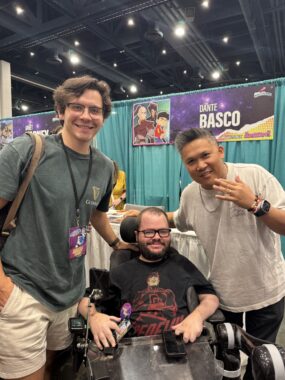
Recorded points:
(96, 192)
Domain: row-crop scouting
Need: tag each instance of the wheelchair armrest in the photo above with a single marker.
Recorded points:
(217, 317)
(193, 302)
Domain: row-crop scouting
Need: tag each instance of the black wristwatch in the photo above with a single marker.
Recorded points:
(263, 208)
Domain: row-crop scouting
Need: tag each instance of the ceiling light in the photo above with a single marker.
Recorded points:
(200, 74)
(216, 75)
(115, 64)
(19, 10)
(54, 59)
(76, 43)
(153, 33)
(141, 80)
(237, 63)
(45, 97)
(205, 4)
(18, 105)
(226, 39)
(32, 53)
(161, 92)
(179, 30)
(199, 85)
(24, 107)
(163, 51)
(74, 58)
(73, 72)
(246, 79)
(122, 89)
(131, 22)
(133, 89)
(184, 72)
(122, 51)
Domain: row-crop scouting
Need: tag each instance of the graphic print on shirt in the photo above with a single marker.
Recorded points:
(154, 308)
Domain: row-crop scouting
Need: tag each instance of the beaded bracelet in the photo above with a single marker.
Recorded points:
(255, 204)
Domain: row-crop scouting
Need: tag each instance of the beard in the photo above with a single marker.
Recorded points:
(148, 255)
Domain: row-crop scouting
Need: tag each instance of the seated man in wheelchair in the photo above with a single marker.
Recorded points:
(152, 291)
(155, 285)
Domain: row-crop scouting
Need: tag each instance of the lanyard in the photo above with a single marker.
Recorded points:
(77, 200)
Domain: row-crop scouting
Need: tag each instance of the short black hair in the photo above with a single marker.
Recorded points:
(163, 114)
(185, 137)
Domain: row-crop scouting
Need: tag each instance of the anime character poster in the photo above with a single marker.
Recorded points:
(6, 132)
(37, 123)
(151, 122)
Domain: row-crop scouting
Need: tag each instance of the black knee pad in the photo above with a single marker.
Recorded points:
(268, 362)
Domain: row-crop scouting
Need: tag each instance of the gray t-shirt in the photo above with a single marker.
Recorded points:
(36, 255)
(247, 269)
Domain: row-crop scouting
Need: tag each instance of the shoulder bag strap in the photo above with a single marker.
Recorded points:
(38, 151)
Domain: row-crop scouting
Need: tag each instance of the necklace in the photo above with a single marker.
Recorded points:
(210, 203)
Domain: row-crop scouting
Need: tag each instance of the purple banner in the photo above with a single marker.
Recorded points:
(234, 114)
(38, 123)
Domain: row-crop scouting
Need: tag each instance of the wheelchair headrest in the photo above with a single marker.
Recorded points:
(127, 229)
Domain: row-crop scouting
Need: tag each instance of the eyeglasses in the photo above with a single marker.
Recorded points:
(80, 108)
(162, 232)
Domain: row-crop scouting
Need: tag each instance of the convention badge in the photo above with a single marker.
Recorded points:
(77, 242)
(126, 311)
(125, 324)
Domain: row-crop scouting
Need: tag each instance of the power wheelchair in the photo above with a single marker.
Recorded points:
(213, 356)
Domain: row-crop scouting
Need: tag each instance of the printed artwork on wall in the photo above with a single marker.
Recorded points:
(6, 132)
(151, 122)
(38, 123)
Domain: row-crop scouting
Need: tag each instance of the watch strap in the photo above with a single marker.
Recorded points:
(262, 209)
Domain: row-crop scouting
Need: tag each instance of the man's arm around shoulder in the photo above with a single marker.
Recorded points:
(102, 225)
(170, 217)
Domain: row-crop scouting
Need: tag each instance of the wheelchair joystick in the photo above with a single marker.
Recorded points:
(80, 328)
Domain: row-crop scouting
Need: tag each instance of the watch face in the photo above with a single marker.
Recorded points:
(264, 208)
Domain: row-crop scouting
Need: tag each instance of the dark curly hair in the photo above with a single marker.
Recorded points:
(75, 87)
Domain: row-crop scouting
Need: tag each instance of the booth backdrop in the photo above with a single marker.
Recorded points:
(156, 175)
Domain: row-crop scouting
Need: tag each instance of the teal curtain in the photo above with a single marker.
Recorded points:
(153, 173)
(156, 176)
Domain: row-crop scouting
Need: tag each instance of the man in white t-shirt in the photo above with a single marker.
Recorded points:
(237, 212)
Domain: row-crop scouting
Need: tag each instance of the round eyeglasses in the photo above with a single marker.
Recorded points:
(162, 232)
(93, 111)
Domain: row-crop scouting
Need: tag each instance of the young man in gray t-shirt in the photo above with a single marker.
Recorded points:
(42, 273)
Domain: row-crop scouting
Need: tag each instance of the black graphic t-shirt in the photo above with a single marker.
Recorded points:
(157, 291)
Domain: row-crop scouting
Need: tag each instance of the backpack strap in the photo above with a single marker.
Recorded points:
(38, 141)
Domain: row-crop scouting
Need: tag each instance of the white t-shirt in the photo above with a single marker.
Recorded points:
(247, 268)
